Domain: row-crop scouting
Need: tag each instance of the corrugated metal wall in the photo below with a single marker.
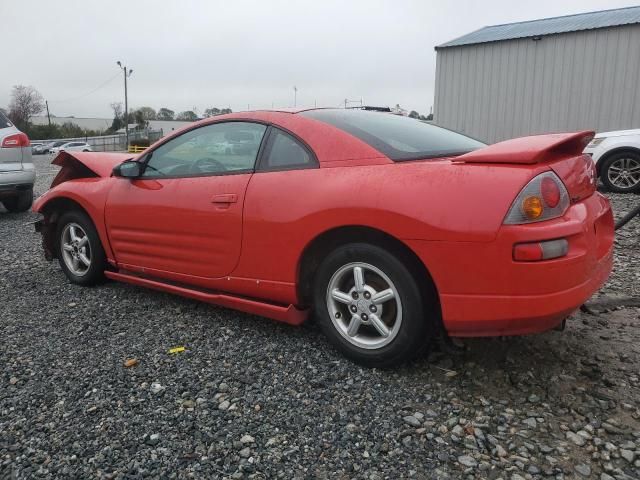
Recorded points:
(570, 81)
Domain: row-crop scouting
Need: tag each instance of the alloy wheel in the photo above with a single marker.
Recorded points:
(624, 173)
(364, 305)
(76, 249)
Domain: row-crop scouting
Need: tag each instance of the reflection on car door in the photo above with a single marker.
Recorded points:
(175, 221)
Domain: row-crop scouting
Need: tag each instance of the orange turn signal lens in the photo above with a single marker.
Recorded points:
(532, 207)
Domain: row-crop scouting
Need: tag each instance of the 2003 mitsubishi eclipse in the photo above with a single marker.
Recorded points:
(390, 230)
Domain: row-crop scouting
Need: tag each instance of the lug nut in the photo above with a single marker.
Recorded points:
(367, 295)
(373, 308)
(353, 308)
(364, 317)
(338, 315)
(354, 295)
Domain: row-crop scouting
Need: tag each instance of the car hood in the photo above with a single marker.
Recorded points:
(99, 163)
(618, 133)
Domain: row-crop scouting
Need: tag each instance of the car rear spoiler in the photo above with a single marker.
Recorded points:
(531, 150)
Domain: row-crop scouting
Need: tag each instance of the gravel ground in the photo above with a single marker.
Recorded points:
(251, 398)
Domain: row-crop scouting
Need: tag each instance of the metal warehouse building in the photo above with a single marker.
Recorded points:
(558, 74)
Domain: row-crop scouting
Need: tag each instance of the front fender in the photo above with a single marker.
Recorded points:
(88, 194)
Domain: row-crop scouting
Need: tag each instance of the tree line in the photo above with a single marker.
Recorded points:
(142, 115)
(26, 102)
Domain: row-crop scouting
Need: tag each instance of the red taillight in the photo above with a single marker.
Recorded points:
(15, 141)
(550, 192)
(543, 198)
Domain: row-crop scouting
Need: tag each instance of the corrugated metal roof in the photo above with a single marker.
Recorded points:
(548, 26)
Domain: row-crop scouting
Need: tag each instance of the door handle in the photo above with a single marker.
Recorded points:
(225, 198)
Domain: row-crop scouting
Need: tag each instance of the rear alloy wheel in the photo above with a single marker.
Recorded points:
(80, 252)
(19, 203)
(369, 305)
(621, 172)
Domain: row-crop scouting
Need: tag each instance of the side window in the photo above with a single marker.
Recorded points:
(285, 152)
(216, 148)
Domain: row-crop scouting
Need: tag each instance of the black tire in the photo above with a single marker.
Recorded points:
(415, 327)
(616, 158)
(95, 272)
(86, 150)
(20, 203)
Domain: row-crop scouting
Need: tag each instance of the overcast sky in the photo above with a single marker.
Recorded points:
(240, 53)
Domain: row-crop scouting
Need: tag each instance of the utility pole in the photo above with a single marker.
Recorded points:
(126, 100)
(46, 102)
(295, 96)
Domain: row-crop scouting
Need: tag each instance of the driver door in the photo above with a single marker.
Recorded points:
(183, 215)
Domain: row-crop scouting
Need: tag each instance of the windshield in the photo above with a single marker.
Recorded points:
(398, 137)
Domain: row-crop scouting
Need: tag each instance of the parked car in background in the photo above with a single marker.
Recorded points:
(71, 147)
(42, 149)
(35, 145)
(617, 157)
(390, 230)
(17, 173)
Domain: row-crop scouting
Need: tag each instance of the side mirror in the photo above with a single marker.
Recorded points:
(128, 169)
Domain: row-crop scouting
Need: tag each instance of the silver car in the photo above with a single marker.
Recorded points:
(17, 173)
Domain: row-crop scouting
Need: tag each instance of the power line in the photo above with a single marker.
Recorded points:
(88, 93)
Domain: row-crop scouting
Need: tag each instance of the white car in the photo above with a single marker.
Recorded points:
(71, 147)
(617, 157)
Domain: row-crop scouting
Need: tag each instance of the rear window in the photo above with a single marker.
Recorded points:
(399, 138)
(4, 121)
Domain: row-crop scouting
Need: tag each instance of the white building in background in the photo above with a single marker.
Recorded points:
(577, 72)
(102, 124)
(99, 124)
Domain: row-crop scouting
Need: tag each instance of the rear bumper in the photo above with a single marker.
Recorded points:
(484, 292)
(14, 181)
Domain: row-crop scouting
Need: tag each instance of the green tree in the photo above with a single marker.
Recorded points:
(165, 114)
(67, 130)
(211, 112)
(25, 103)
(118, 120)
(147, 113)
(139, 119)
(188, 116)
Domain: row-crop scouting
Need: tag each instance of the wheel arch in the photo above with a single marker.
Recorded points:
(331, 239)
(612, 152)
(51, 211)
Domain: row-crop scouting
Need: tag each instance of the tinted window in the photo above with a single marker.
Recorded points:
(283, 151)
(398, 137)
(216, 148)
(4, 121)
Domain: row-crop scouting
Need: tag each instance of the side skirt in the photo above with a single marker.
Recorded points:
(289, 314)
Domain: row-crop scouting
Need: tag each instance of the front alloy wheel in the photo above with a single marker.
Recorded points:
(79, 250)
(76, 250)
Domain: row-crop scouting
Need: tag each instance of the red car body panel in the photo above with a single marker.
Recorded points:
(238, 240)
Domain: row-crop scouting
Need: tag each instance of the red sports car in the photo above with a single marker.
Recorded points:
(390, 230)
